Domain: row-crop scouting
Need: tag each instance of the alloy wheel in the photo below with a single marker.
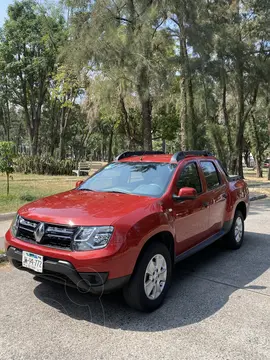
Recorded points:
(155, 277)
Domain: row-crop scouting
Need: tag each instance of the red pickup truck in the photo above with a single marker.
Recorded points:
(129, 223)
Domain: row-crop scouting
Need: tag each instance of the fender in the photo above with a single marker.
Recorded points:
(141, 232)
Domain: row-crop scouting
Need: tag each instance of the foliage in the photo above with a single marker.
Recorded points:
(28, 50)
(90, 79)
(44, 165)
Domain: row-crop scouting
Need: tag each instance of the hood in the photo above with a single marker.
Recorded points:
(86, 208)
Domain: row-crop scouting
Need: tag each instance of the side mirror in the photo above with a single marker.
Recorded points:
(186, 193)
(78, 183)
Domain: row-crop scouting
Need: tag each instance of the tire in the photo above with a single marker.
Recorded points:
(235, 237)
(156, 254)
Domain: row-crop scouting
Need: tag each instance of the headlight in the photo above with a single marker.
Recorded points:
(92, 238)
(15, 225)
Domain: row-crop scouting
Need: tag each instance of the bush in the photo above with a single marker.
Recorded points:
(28, 197)
(44, 165)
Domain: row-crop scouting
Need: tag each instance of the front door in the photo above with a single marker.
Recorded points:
(191, 216)
(216, 190)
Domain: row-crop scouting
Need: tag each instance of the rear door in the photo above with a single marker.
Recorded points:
(217, 194)
(191, 216)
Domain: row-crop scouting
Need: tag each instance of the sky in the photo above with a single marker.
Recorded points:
(3, 10)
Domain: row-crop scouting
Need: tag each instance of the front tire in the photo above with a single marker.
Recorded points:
(235, 237)
(151, 279)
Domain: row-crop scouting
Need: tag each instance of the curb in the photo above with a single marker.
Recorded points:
(3, 258)
(7, 216)
(258, 197)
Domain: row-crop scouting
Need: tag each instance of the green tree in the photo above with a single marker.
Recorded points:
(67, 88)
(29, 46)
(125, 41)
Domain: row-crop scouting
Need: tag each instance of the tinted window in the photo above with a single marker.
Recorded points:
(148, 179)
(189, 177)
(211, 175)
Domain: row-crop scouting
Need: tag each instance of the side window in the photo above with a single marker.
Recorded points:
(211, 175)
(189, 177)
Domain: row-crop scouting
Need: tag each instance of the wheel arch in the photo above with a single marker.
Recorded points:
(166, 238)
(241, 206)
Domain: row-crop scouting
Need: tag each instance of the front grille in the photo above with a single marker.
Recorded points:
(56, 236)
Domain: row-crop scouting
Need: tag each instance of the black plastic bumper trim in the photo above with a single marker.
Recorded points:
(95, 283)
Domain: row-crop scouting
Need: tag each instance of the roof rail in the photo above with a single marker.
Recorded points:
(183, 154)
(127, 154)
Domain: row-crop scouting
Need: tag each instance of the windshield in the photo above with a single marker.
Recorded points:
(148, 179)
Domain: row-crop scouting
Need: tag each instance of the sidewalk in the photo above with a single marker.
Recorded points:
(4, 225)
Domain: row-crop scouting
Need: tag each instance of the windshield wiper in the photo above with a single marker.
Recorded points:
(84, 189)
(117, 192)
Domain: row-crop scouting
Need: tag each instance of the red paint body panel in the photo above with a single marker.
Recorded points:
(135, 218)
(84, 208)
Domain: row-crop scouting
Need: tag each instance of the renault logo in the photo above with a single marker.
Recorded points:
(39, 232)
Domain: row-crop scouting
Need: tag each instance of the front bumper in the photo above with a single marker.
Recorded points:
(64, 272)
(116, 259)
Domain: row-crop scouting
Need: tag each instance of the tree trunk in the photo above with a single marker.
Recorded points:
(33, 126)
(164, 147)
(147, 124)
(132, 142)
(110, 146)
(188, 138)
(226, 116)
(239, 68)
(54, 117)
(146, 107)
(7, 184)
(246, 157)
(191, 116)
(65, 115)
(258, 148)
(259, 172)
(61, 134)
(183, 114)
(8, 122)
(238, 167)
(34, 132)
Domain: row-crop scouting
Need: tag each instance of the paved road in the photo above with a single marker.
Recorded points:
(218, 308)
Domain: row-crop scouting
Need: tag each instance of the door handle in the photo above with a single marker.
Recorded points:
(205, 204)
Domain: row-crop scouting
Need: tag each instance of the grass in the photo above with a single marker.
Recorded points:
(255, 183)
(265, 191)
(250, 176)
(27, 188)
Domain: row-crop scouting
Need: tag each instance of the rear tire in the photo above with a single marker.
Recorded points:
(150, 280)
(235, 237)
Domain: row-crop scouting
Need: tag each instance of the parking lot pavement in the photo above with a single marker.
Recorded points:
(4, 225)
(218, 308)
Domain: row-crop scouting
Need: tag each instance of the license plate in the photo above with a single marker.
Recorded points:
(32, 261)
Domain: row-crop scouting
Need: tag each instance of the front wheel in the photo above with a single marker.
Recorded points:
(151, 279)
(235, 237)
